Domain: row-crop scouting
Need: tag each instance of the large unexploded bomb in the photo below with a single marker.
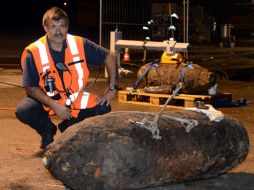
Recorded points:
(113, 151)
(164, 77)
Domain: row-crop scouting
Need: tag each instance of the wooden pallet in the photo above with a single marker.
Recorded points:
(180, 101)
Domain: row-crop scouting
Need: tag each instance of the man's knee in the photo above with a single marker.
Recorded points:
(26, 108)
(22, 113)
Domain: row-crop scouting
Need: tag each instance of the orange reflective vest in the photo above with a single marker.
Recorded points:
(74, 79)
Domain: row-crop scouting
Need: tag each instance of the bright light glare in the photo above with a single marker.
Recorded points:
(214, 26)
(172, 27)
(150, 22)
(174, 15)
(65, 3)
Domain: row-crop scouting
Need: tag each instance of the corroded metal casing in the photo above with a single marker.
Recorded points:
(109, 152)
(195, 80)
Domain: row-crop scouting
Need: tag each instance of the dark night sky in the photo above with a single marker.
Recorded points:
(27, 14)
(22, 17)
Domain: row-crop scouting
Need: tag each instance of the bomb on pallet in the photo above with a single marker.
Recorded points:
(164, 77)
(109, 152)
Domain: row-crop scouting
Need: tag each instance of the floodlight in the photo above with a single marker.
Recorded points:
(172, 27)
(174, 15)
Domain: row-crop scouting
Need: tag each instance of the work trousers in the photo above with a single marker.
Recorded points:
(31, 112)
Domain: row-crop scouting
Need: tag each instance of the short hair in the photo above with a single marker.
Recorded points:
(56, 14)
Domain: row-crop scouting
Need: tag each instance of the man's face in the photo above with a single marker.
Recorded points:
(56, 30)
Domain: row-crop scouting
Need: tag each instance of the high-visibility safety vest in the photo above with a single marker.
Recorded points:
(74, 79)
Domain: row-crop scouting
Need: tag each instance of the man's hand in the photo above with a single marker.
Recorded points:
(112, 70)
(106, 97)
(62, 112)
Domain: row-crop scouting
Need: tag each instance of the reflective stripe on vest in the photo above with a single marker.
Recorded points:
(44, 60)
(43, 55)
(74, 52)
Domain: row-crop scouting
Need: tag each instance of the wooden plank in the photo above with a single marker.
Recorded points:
(148, 104)
(141, 92)
(188, 103)
(155, 100)
(142, 98)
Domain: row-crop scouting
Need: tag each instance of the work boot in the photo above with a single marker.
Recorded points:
(47, 138)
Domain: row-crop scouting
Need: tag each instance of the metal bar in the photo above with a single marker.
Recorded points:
(171, 21)
(187, 26)
(187, 22)
(100, 24)
(184, 17)
(168, 46)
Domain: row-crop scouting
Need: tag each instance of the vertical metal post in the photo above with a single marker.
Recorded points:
(187, 22)
(100, 23)
(187, 26)
(184, 32)
(171, 21)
